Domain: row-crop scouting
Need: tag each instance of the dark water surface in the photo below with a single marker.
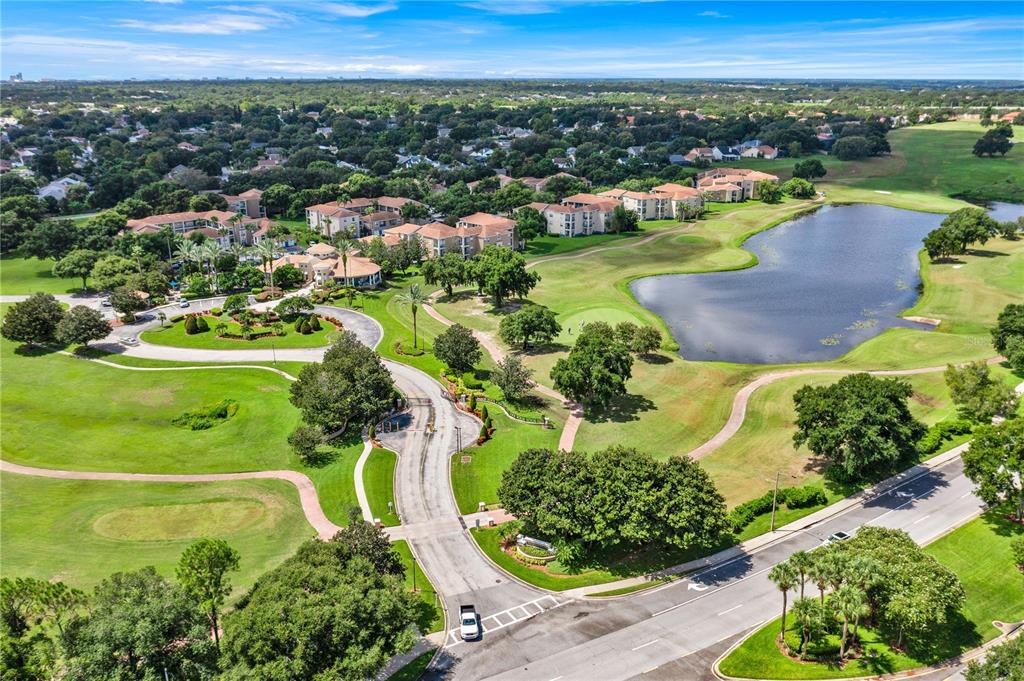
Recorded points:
(1005, 211)
(825, 283)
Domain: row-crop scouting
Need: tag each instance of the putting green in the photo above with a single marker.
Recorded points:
(183, 521)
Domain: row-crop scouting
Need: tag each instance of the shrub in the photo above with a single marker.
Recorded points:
(940, 432)
(298, 324)
(471, 382)
(314, 323)
(804, 497)
(216, 311)
(201, 324)
(482, 438)
(371, 432)
(305, 440)
(256, 290)
(189, 295)
(408, 352)
(191, 327)
(472, 401)
(488, 424)
(483, 413)
(207, 417)
(306, 327)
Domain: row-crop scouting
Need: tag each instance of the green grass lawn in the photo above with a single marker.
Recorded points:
(61, 412)
(937, 159)
(431, 614)
(414, 669)
(478, 479)
(173, 333)
(614, 565)
(20, 276)
(81, 531)
(379, 479)
(979, 554)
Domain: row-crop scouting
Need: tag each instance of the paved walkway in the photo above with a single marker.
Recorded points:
(307, 492)
(497, 353)
(742, 398)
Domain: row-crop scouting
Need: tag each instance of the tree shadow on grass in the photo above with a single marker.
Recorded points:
(27, 350)
(622, 410)
(982, 253)
(1000, 522)
(654, 358)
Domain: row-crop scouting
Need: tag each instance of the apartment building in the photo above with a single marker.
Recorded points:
(732, 184)
(248, 203)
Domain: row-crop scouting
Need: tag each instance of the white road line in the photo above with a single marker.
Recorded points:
(962, 496)
(644, 645)
(921, 519)
(711, 593)
(648, 671)
(494, 622)
(726, 612)
(556, 678)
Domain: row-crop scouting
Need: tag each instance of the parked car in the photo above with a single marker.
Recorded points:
(837, 537)
(469, 622)
(130, 340)
(183, 303)
(105, 302)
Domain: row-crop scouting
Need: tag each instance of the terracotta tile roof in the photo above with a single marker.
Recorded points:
(437, 230)
(387, 238)
(407, 228)
(394, 201)
(487, 220)
(221, 216)
(358, 266)
(321, 249)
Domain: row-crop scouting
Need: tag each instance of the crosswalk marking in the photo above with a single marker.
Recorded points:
(507, 618)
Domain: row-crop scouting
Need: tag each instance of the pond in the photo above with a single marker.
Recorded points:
(825, 283)
(1005, 211)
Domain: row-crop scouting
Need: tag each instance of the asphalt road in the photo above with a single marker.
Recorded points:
(635, 637)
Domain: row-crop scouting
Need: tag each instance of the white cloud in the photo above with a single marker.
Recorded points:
(207, 24)
(512, 7)
(356, 10)
(165, 2)
(716, 15)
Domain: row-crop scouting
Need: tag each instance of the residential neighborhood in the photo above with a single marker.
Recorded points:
(531, 340)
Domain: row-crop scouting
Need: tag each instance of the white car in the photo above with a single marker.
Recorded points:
(130, 340)
(469, 623)
(105, 302)
(837, 537)
(183, 303)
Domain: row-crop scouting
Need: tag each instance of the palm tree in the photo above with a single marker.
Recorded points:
(819, 574)
(804, 611)
(837, 568)
(188, 251)
(864, 574)
(344, 242)
(785, 577)
(414, 298)
(265, 250)
(238, 250)
(209, 250)
(850, 603)
(801, 562)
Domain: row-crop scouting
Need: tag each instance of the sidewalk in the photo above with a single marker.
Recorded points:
(757, 543)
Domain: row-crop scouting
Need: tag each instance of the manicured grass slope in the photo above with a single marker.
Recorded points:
(431, 615)
(81, 531)
(379, 479)
(20, 276)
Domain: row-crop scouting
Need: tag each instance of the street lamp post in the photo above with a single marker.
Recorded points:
(458, 436)
(274, 351)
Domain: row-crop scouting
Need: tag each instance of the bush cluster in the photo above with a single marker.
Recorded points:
(207, 417)
(791, 497)
(940, 432)
(196, 324)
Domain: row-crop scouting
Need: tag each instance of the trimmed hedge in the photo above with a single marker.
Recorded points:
(942, 431)
(792, 497)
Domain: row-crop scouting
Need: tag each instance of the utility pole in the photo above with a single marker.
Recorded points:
(274, 351)
(775, 497)
(458, 435)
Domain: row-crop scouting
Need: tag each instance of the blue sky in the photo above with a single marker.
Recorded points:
(511, 38)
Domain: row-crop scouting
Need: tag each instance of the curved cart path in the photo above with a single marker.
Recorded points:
(307, 492)
(742, 398)
(497, 353)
